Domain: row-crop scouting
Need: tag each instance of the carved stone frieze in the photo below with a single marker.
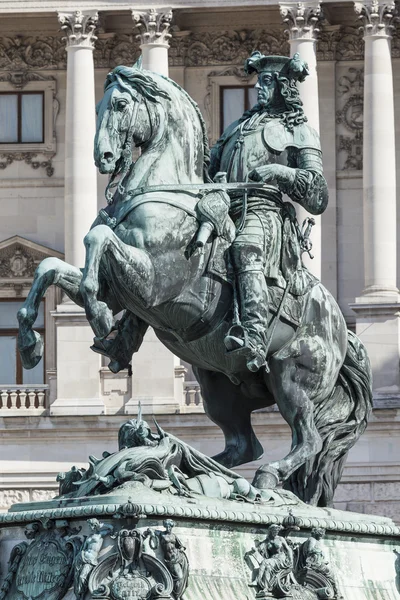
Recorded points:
(79, 27)
(224, 47)
(301, 19)
(22, 53)
(377, 16)
(153, 25)
(349, 118)
(30, 158)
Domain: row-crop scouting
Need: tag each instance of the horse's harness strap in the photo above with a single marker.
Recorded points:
(197, 190)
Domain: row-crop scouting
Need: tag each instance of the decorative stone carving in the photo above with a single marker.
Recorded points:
(117, 49)
(131, 572)
(19, 79)
(44, 568)
(301, 19)
(224, 47)
(350, 44)
(312, 568)
(17, 263)
(9, 497)
(272, 564)
(377, 16)
(153, 25)
(350, 116)
(174, 556)
(79, 27)
(6, 159)
(87, 557)
(282, 568)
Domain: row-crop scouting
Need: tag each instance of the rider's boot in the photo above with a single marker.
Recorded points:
(251, 335)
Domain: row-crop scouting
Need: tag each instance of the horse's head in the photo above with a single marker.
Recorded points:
(123, 119)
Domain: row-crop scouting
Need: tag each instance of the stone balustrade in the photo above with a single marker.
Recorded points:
(19, 398)
(192, 398)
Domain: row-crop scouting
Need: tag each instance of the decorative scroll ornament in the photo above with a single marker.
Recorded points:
(153, 25)
(350, 115)
(42, 569)
(302, 19)
(377, 16)
(132, 572)
(282, 568)
(79, 27)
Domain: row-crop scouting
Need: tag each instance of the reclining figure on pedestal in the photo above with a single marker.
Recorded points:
(214, 266)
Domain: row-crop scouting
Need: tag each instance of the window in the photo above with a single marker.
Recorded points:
(234, 100)
(28, 113)
(21, 117)
(11, 369)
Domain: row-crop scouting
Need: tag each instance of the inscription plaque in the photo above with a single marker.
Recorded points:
(130, 587)
(45, 570)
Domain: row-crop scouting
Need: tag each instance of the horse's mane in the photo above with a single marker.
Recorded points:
(134, 78)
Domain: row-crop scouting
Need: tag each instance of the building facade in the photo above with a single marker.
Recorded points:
(54, 58)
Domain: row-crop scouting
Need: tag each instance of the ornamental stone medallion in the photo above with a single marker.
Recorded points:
(45, 569)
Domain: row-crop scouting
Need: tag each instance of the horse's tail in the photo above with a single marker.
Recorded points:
(340, 420)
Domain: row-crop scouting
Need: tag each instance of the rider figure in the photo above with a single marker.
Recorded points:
(273, 144)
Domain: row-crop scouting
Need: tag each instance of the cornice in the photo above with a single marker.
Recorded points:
(26, 6)
(232, 512)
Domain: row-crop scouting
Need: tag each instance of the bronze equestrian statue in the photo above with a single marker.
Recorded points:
(215, 268)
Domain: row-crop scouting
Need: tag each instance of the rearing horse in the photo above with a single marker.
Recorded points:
(141, 258)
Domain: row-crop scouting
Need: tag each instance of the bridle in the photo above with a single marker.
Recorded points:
(123, 164)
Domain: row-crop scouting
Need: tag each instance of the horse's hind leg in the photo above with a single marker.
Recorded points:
(302, 373)
(50, 271)
(228, 408)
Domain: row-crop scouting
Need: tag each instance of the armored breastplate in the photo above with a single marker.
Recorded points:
(247, 149)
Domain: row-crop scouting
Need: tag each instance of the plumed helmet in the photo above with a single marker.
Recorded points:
(292, 68)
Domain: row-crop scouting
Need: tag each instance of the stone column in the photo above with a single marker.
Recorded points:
(80, 125)
(153, 26)
(301, 19)
(78, 368)
(378, 306)
(154, 381)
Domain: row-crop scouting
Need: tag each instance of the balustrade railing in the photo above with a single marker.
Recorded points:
(192, 394)
(21, 398)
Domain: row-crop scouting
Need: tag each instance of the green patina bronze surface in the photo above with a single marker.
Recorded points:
(206, 249)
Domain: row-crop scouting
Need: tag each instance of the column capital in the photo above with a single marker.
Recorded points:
(377, 16)
(153, 25)
(301, 18)
(79, 27)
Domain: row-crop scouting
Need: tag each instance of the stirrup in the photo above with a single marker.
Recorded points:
(236, 338)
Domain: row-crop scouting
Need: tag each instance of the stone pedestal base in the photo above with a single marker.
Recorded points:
(378, 327)
(218, 539)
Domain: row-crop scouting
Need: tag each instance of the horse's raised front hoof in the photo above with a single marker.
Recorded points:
(30, 346)
(266, 478)
(102, 321)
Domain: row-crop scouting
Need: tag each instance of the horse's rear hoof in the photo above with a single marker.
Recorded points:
(32, 353)
(266, 478)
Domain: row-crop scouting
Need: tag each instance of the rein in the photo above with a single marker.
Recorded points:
(126, 160)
